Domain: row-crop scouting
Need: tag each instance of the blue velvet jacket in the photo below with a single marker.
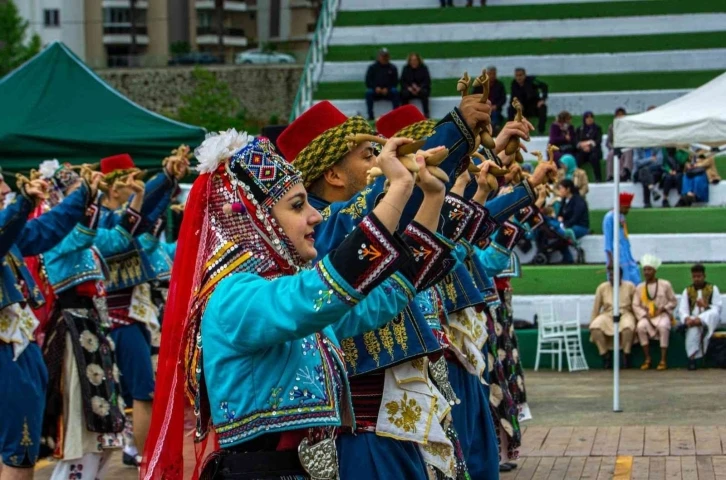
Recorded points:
(20, 237)
(73, 261)
(161, 255)
(270, 348)
(131, 265)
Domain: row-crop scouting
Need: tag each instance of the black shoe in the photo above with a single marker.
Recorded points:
(656, 195)
(503, 468)
(131, 461)
(626, 360)
(692, 365)
(512, 464)
(666, 203)
(607, 361)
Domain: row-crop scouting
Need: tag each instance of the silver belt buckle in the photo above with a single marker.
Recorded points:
(320, 460)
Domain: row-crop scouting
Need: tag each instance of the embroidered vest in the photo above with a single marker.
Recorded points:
(693, 295)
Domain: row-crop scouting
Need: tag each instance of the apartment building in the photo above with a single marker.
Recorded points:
(140, 33)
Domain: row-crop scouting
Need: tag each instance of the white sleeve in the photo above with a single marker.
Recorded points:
(716, 300)
(683, 310)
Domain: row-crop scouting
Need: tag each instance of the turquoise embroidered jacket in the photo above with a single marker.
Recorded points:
(132, 266)
(270, 351)
(161, 255)
(20, 237)
(72, 262)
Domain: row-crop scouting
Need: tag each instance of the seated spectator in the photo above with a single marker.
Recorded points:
(602, 327)
(625, 155)
(588, 140)
(416, 82)
(653, 306)
(532, 94)
(497, 97)
(674, 163)
(569, 171)
(574, 212)
(553, 224)
(699, 172)
(700, 313)
(562, 135)
(648, 171)
(381, 82)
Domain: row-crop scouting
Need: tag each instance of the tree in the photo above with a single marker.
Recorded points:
(211, 104)
(13, 49)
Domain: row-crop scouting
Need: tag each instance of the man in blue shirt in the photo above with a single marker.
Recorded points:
(628, 264)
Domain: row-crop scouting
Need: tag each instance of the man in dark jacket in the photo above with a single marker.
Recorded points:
(532, 94)
(381, 82)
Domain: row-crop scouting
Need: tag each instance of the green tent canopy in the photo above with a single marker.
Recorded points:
(54, 106)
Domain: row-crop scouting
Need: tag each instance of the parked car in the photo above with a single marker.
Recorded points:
(195, 58)
(259, 56)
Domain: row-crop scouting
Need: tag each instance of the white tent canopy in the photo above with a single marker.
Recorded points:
(697, 117)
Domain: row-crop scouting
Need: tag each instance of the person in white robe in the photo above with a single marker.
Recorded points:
(700, 311)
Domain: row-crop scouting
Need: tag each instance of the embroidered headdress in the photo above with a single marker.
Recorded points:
(61, 177)
(406, 121)
(316, 140)
(228, 228)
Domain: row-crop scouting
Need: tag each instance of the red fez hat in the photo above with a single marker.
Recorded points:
(626, 199)
(398, 119)
(307, 127)
(122, 161)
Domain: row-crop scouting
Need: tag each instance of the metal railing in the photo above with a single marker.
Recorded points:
(315, 58)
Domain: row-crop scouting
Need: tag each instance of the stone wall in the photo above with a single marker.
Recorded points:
(263, 90)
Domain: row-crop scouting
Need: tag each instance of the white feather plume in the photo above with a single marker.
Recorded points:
(48, 168)
(218, 147)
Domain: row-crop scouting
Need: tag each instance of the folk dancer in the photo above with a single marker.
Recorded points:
(23, 370)
(253, 343)
(84, 414)
(131, 311)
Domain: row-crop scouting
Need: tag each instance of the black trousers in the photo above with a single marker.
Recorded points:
(592, 157)
(423, 95)
(648, 176)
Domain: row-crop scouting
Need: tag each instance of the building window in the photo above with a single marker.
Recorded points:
(118, 16)
(51, 17)
(204, 19)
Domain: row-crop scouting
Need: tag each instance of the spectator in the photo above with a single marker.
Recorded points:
(588, 140)
(574, 213)
(497, 97)
(700, 313)
(699, 172)
(648, 171)
(674, 162)
(625, 156)
(602, 326)
(627, 262)
(532, 94)
(562, 135)
(416, 82)
(381, 82)
(570, 172)
(653, 306)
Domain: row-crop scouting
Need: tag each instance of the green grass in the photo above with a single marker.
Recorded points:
(527, 12)
(557, 83)
(534, 46)
(584, 279)
(670, 220)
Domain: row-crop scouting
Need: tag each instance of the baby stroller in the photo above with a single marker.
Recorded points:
(549, 241)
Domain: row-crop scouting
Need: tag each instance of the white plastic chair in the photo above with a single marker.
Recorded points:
(549, 337)
(558, 337)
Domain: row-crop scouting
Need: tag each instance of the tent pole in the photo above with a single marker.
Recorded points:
(616, 284)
